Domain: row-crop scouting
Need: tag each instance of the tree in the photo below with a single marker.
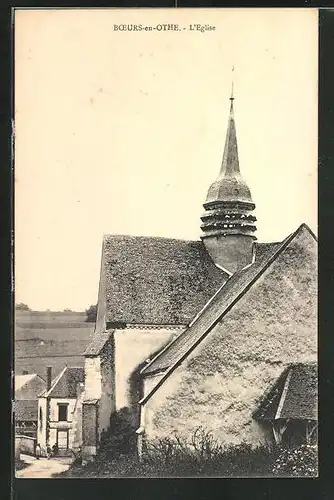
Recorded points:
(67, 310)
(91, 313)
(22, 307)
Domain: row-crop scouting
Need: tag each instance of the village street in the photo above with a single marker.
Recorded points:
(42, 468)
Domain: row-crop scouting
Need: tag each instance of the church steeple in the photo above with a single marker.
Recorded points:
(228, 222)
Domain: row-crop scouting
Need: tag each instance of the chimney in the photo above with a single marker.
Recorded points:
(48, 378)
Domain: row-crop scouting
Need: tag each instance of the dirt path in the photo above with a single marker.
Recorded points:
(42, 468)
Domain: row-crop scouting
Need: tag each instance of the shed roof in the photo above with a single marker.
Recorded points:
(293, 396)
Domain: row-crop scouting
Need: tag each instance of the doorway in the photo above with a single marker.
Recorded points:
(62, 439)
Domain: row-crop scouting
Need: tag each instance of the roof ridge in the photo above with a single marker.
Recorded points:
(265, 264)
(307, 227)
(170, 238)
(46, 393)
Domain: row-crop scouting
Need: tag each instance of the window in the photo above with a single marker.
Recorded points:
(62, 412)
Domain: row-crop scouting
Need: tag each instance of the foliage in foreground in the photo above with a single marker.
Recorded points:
(203, 456)
(20, 464)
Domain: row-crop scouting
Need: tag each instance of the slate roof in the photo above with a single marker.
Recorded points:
(219, 305)
(26, 409)
(294, 395)
(224, 299)
(65, 384)
(153, 280)
(98, 342)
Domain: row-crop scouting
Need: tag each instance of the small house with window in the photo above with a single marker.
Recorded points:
(57, 410)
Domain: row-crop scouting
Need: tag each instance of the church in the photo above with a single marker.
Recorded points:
(219, 333)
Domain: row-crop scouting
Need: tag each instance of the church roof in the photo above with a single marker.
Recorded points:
(293, 396)
(227, 296)
(153, 280)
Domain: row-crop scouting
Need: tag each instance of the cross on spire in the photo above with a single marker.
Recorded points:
(232, 96)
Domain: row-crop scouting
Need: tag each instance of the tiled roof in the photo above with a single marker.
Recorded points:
(221, 303)
(65, 384)
(26, 409)
(227, 294)
(263, 248)
(21, 380)
(98, 342)
(301, 397)
(151, 280)
(294, 395)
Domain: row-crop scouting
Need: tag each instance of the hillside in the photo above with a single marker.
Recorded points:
(49, 338)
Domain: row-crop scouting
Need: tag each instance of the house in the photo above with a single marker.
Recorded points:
(25, 405)
(197, 333)
(59, 410)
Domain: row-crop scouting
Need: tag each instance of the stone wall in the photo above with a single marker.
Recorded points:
(24, 444)
(107, 398)
(133, 346)
(93, 378)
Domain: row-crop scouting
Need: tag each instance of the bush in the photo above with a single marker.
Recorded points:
(91, 313)
(121, 436)
(301, 461)
(22, 307)
(20, 464)
(201, 456)
(205, 456)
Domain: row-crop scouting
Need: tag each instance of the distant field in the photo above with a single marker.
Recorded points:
(48, 338)
(49, 316)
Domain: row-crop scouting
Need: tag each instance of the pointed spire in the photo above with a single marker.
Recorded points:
(230, 163)
(229, 186)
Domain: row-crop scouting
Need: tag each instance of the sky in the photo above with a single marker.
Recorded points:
(123, 132)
